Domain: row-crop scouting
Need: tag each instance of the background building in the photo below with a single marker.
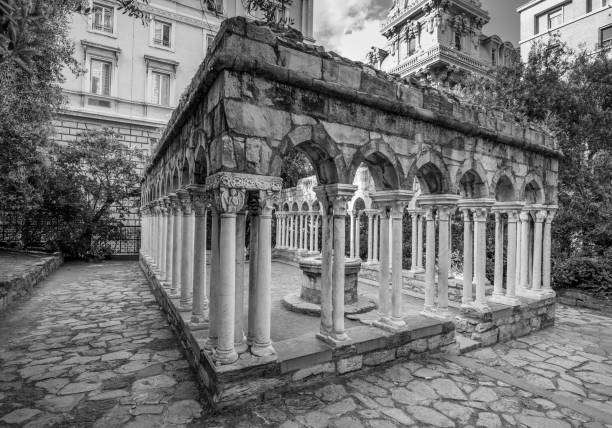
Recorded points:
(581, 23)
(136, 73)
(440, 40)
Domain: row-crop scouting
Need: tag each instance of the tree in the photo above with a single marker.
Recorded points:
(89, 188)
(295, 166)
(571, 94)
(273, 11)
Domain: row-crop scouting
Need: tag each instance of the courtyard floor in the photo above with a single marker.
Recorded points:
(92, 348)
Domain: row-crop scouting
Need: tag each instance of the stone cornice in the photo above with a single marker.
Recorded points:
(178, 17)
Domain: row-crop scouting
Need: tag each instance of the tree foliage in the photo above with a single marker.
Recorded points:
(570, 92)
(273, 11)
(295, 166)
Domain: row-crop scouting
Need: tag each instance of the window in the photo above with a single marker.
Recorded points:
(606, 36)
(494, 56)
(411, 46)
(457, 40)
(102, 18)
(604, 3)
(161, 33)
(100, 76)
(555, 18)
(160, 89)
(210, 38)
(589, 6)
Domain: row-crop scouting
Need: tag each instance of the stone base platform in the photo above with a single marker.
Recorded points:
(300, 361)
(503, 322)
(21, 271)
(295, 303)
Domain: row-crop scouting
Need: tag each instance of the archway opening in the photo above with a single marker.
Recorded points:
(472, 186)
(431, 179)
(504, 190)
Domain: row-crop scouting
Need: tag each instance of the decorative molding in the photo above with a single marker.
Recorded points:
(200, 23)
(234, 180)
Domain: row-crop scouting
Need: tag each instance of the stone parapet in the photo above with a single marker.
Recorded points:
(283, 57)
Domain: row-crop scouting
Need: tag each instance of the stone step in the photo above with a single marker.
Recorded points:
(466, 344)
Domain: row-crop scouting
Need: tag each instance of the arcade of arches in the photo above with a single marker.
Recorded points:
(260, 94)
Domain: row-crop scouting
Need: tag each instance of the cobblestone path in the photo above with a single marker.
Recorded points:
(91, 348)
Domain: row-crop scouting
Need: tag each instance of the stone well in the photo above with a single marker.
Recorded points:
(308, 301)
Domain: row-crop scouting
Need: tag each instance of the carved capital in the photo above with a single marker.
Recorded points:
(228, 200)
(444, 212)
(185, 201)
(267, 199)
(551, 215)
(467, 214)
(429, 214)
(480, 214)
(174, 204)
(524, 216)
(540, 216)
(513, 216)
(233, 180)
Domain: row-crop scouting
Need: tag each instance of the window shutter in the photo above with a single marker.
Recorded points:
(165, 89)
(106, 78)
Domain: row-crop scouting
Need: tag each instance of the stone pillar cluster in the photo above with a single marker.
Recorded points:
(174, 243)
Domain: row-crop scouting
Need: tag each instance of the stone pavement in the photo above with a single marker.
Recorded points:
(14, 264)
(91, 348)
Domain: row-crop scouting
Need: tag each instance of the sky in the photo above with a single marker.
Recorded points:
(351, 27)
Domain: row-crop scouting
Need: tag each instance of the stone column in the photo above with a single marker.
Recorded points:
(163, 248)
(547, 253)
(358, 235)
(177, 233)
(397, 216)
(187, 247)
(312, 231)
(229, 201)
(430, 263)
(200, 300)
(420, 242)
(213, 329)
(239, 338)
(154, 233)
(370, 231)
(156, 237)
(301, 231)
(510, 297)
(325, 330)
(253, 263)
(444, 212)
(519, 236)
(316, 247)
(335, 198)
(539, 217)
(480, 256)
(376, 232)
(261, 344)
(352, 244)
(468, 255)
(169, 243)
(524, 252)
(384, 309)
(498, 282)
(414, 217)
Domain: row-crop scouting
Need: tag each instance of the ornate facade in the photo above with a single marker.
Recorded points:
(436, 39)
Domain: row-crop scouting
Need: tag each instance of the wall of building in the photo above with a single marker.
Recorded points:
(579, 29)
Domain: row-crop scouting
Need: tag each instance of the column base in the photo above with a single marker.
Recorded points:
(533, 294)
(198, 323)
(185, 306)
(389, 324)
(263, 350)
(429, 311)
(210, 344)
(505, 300)
(174, 291)
(166, 284)
(333, 339)
(241, 347)
(225, 357)
(481, 307)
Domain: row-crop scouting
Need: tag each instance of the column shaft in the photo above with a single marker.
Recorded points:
(430, 262)
(187, 259)
(338, 276)
(169, 253)
(396, 269)
(443, 258)
(239, 338)
(200, 301)
(370, 232)
(524, 252)
(480, 255)
(511, 263)
(213, 309)
(468, 255)
(176, 250)
(384, 309)
(420, 242)
(253, 275)
(537, 251)
(358, 236)
(352, 244)
(415, 244)
(376, 233)
(547, 256)
(498, 282)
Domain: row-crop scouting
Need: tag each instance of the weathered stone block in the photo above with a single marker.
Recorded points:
(378, 357)
(486, 338)
(300, 61)
(484, 326)
(434, 342)
(505, 332)
(257, 121)
(350, 364)
(314, 370)
(342, 74)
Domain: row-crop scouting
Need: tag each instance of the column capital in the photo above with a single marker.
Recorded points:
(234, 180)
(200, 199)
(267, 199)
(480, 213)
(173, 203)
(506, 207)
(335, 197)
(475, 203)
(185, 201)
(513, 216)
(444, 212)
(540, 216)
(394, 199)
(228, 200)
(524, 216)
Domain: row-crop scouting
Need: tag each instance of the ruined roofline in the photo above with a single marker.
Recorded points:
(240, 46)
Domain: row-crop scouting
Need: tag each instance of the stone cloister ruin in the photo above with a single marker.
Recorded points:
(261, 93)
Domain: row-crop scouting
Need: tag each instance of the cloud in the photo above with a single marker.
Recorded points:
(350, 27)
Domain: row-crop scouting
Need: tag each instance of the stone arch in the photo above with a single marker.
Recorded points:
(185, 172)
(316, 207)
(471, 180)
(359, 204)
(320, 149)
(200, 166)
(382, 163)
(305, 206)
(503, 186)
(175, 181)
(295, 207)
(533, 189)
(431, 172)
(285, 206)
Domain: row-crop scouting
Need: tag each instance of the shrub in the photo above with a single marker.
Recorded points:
(587, 273)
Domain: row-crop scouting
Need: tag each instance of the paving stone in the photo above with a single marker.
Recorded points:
(19, 416)
(78, 387)
(182, 412)
(331, 393)
(429, 416)
(153, 382)
(398, 415)
(484, 394)
(455, 411)
(448, 389)
(53, 385)
(540, 422)
(54, 403)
